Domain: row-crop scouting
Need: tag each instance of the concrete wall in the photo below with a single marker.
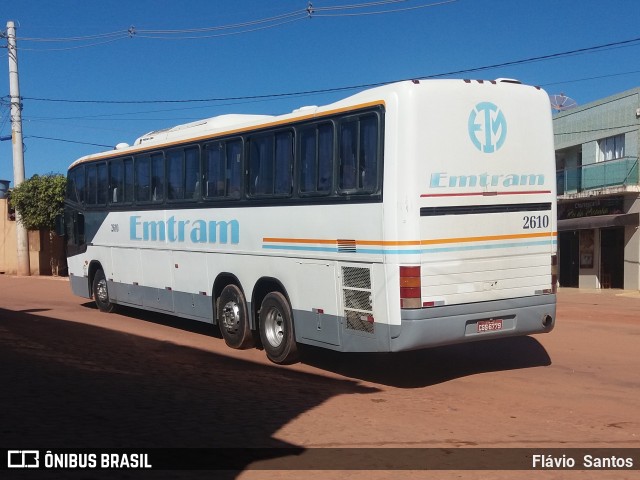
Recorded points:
(632, 248)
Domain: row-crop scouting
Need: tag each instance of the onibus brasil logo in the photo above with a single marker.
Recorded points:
(487, 127)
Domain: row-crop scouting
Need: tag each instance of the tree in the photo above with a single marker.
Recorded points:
(39, 200)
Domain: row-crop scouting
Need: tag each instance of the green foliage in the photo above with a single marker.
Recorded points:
(40, 200)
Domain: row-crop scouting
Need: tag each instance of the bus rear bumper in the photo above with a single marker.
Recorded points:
(447, 325)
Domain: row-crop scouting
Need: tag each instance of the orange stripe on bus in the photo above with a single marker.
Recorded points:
(414, 242)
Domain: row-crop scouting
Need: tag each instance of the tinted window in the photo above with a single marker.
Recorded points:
(75, 185)
(143, 179)
(183, 173)
(116, 181)
(103, 184)
(316, 159)
(223, 169)
(192, 173)
(261, 165)
(128, 180)
(157, 178)
(270, 161)
(92, 184)
(283, 163)
(358, 168)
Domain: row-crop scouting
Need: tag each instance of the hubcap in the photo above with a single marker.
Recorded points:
(274, 327)
(101, 291)
(231, 316)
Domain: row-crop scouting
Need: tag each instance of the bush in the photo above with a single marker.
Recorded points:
(39, 200)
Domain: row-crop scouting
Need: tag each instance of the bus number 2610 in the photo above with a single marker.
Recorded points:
(535, 221)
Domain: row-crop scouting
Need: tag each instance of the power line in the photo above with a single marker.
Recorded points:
(76, 47)
(230, 29)
(552, 56)
(99, 36)
(590, 78)
(69, 141)
(111, 116)
(381, 12)
(252, 23)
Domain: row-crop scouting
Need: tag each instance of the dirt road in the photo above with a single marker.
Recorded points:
(74, 377)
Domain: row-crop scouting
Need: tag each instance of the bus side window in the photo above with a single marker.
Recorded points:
(234, 169)
(214, 170)
(192, 173)
(307, 159)
(142, 181)
(175, 175)
(116, 181)
(261, 165)
(348, 156)
(92, 184)
(222, 174)
(316, 159)
(283, 163)
(128, 180)
(369, 153)
(157, 178)
(103, 184)
(325, 158)
(359, 155)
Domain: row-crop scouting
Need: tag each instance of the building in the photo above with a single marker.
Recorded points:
(599, 193)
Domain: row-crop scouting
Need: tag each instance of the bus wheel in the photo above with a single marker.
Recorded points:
(233, 318)
(276, 329)
(101, 293)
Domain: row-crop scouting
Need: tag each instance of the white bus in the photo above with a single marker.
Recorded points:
(411, 215)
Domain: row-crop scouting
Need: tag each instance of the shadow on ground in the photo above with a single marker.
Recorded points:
(70, 385)
(422, 368)
(414, 369)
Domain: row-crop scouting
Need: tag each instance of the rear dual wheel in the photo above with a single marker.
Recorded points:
(233, 318)
(276, 329)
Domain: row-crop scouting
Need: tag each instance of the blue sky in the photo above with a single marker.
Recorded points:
(343, 48)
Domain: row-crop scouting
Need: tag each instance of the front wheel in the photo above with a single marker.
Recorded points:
(276, 329)
(101, 293)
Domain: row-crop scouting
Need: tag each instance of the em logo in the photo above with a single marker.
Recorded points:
(487, 127)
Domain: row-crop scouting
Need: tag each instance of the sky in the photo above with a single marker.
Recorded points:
(97, 73)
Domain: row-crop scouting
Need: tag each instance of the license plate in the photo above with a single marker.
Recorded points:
(489, 325)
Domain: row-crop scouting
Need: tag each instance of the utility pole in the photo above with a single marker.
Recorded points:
(24, 264)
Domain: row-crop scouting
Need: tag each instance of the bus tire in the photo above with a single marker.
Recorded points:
(101, 293)
(233, 318)
(276, 329)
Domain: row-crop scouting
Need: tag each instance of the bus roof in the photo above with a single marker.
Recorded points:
(230, 124)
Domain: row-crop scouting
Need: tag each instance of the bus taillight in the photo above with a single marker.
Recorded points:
(410, 287)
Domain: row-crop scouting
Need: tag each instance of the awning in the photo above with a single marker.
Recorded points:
(601, 221)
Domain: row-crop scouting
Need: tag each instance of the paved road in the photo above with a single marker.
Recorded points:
(74, 377)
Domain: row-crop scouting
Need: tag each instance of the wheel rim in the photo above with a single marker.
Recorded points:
(231, 316)
(274, 327)
(101, 291)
